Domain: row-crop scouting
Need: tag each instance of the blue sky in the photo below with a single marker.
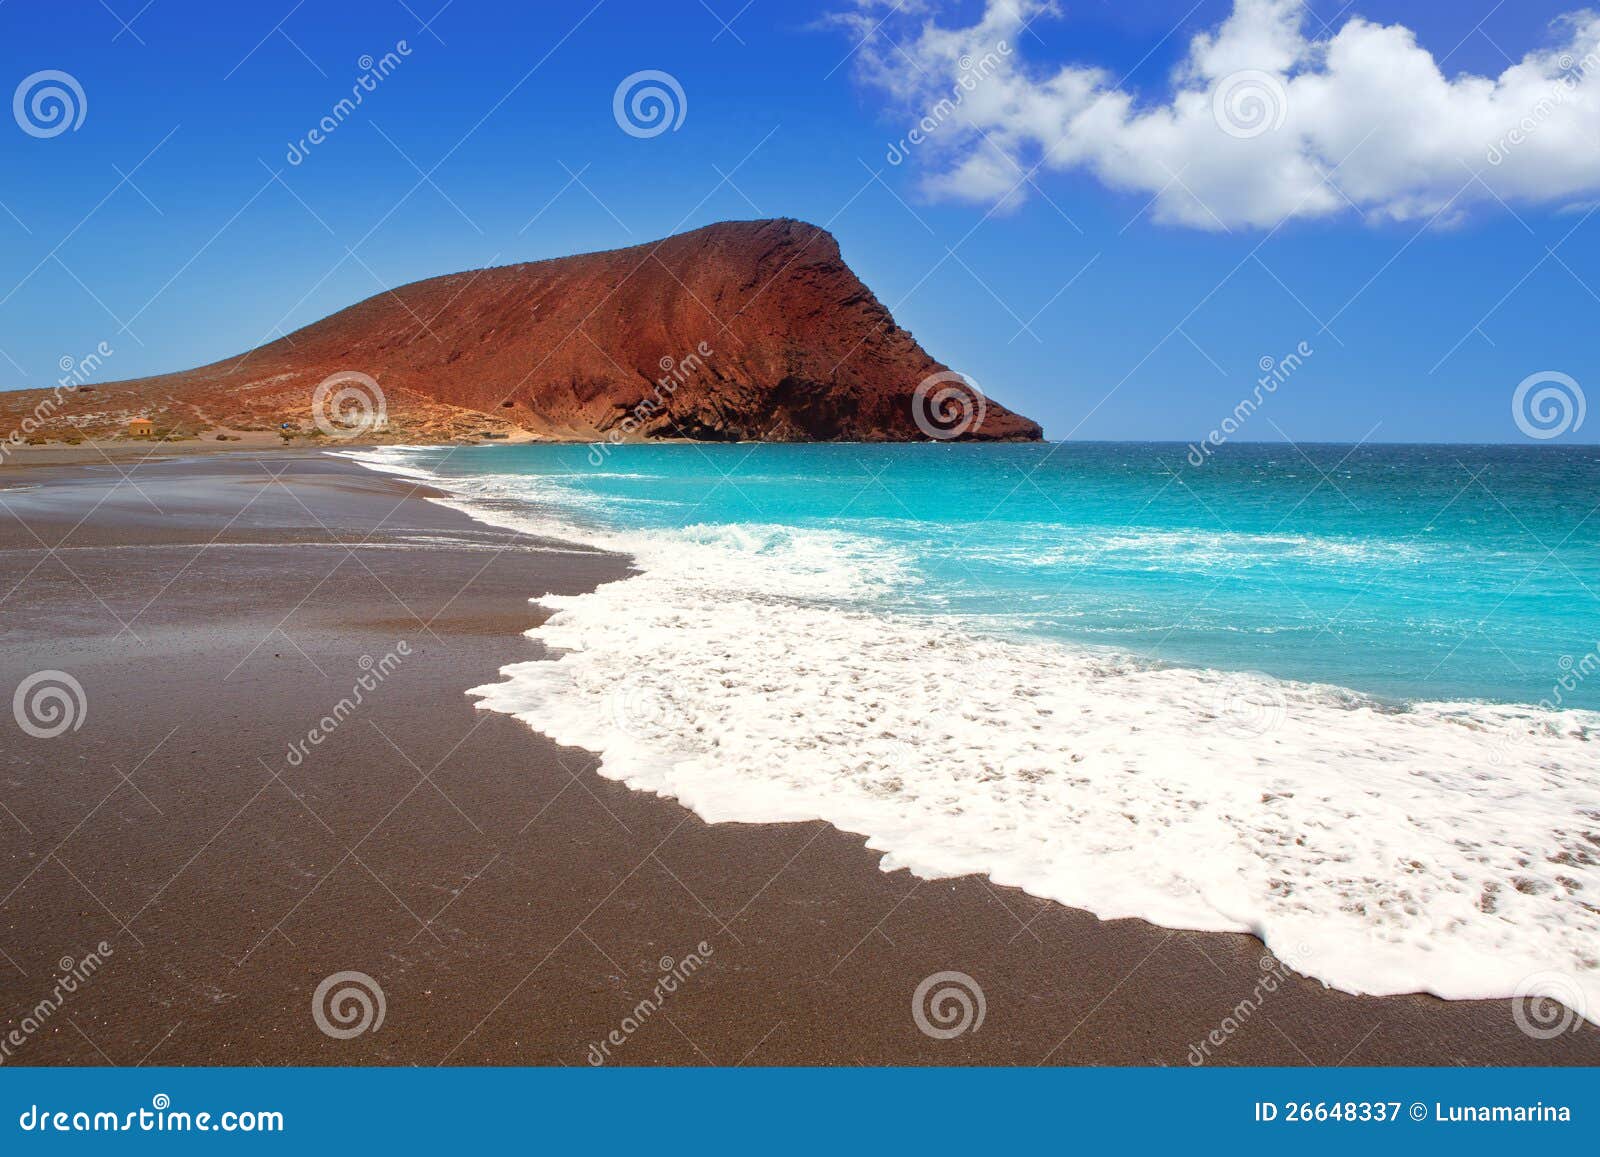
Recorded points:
(158, 226)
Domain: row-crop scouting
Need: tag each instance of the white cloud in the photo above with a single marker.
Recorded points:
(1262, 122)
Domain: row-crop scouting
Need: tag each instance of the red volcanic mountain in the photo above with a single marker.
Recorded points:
(752, 330)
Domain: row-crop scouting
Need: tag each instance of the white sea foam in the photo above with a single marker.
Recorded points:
(1451, 848)
(387, 460)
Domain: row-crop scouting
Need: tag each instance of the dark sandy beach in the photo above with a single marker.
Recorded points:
(514, 906)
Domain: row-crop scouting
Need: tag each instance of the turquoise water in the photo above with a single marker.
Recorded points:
(1406, 572)
(1289, 692)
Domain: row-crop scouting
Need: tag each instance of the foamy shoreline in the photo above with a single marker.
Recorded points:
(1451, 854)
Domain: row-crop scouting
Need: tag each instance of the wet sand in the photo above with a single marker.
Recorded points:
(513, 906)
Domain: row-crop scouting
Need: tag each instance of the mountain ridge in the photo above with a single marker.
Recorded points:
(738, 331)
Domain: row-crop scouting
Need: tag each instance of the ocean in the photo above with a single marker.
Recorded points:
(1345, 698)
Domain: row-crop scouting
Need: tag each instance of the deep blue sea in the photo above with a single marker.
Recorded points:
(1341, 697)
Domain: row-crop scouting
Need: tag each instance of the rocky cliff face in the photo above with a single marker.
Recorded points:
(739, 331)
